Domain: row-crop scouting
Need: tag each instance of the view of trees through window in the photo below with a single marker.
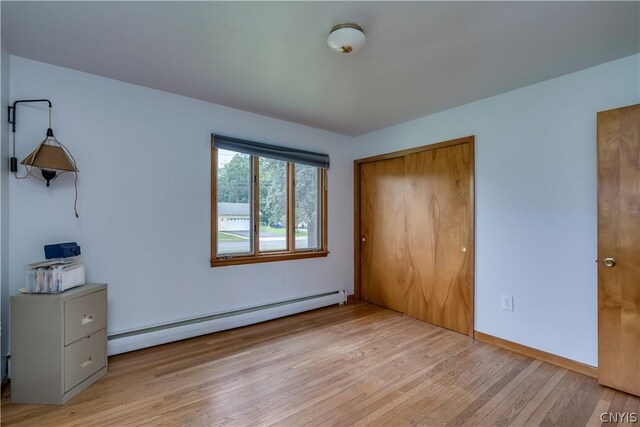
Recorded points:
(273, 205)
(234, 204)
(307, 202)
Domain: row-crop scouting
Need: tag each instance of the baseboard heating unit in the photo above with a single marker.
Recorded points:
(125, 341)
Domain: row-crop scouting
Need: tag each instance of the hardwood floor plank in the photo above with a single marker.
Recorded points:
(561, 404)
(357, 364)
(588, 405)
(602, 406)
(406, 376)
(353, 401)
(630, 407)
(617, 406)
(547, 404)
(484, 403)
(423, 410)
(308, 398)
(536, 400)
(577, 402)
(425, 384)
(510, 407)
(468, 393)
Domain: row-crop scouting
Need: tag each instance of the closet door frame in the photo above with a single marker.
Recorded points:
(357, 286)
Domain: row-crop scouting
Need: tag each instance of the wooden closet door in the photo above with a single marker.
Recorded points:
(437, 230)
(416, 233)
(382, 242)
(619, 248)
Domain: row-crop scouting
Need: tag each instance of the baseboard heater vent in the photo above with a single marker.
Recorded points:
(160, 334)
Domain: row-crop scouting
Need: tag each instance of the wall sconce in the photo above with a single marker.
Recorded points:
(51, 156)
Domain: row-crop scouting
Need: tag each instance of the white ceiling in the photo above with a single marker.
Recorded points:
(272, 58)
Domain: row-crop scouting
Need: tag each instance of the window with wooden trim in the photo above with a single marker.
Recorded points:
(268, 203)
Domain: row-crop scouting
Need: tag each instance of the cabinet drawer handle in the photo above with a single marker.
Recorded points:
(86, 319)
(86, 363)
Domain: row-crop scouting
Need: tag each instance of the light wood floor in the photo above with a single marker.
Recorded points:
(353, 365)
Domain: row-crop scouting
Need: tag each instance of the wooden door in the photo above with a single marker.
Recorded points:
(437, 197)
(382, 228)
(619, 248)
(415, 228)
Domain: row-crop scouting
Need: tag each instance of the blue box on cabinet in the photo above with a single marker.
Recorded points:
(61, 250)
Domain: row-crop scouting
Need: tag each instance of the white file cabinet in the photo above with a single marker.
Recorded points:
(58, 343)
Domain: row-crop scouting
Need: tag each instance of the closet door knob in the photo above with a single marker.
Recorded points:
(609, 262)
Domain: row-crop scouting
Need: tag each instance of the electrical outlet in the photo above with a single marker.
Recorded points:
(506, 302)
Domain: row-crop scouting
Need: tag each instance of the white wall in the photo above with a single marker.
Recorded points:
(4, 207)
(144, 198)
(535, 201)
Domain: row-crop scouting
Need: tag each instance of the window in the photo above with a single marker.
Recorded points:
(268, 203)
(273, 205)
(307, 199)
(234, 203)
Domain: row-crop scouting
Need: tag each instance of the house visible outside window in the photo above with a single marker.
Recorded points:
(268, 203)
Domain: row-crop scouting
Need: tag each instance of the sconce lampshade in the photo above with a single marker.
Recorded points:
(49, 157)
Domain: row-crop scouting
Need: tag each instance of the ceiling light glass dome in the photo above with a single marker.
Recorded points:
(346, 38)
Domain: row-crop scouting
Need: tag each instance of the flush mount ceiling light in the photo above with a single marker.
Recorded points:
(346, 38)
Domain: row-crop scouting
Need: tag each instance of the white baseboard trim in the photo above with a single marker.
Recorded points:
(162, 334)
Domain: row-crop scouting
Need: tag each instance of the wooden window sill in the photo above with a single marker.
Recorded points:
(283, 256)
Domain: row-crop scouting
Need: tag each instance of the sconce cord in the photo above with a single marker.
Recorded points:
(75, 172)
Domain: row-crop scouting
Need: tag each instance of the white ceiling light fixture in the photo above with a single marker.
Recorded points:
(346, 38)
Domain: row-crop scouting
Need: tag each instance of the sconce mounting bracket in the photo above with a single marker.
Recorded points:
(11, 118)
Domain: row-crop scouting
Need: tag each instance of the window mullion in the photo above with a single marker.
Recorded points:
(291, 207)
(323, 212)
(214, 201)
(255, 204)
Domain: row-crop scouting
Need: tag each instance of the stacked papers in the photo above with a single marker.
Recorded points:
(55, 275)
